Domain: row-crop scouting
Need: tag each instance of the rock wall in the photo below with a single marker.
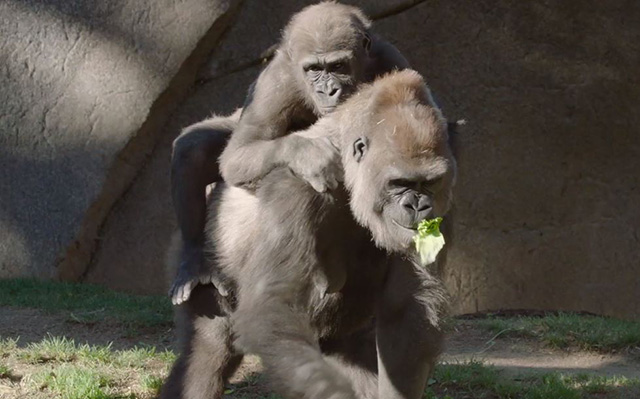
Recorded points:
(547, 211)
(85, 88)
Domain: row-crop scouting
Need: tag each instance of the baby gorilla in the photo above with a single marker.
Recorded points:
(376, 333)
(326, 50)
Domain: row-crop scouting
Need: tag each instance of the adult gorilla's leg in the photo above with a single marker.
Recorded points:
(408, 331)
(207, 357)
(272, 319)
(356, 358)
(282, 336)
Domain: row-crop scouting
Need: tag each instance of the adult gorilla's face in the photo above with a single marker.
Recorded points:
(399, 193)
(399, 169)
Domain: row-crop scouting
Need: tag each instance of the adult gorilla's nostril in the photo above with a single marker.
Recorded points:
(424, 204)
(409, 202)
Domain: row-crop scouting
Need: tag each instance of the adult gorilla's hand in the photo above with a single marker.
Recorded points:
(317, 161)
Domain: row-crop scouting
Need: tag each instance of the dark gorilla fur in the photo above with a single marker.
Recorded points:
(375, 332)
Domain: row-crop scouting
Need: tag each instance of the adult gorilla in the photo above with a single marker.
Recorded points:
(374, 330)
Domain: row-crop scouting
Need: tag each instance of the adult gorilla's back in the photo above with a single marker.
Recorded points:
(373, 328)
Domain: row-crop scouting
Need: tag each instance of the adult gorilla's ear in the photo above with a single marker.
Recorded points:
(366, 42)
(359, 148)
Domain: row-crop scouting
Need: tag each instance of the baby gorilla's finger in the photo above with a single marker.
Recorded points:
(219, 286)
(186, 290)
(205, 279)
(332, 182)
(175, 295)
(318, 184)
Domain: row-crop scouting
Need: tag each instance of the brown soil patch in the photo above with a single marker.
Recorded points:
(31, 325)
(516, 356)
(466, 342)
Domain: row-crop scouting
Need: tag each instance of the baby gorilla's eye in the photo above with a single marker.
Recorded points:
(340, 67)
(313, 68)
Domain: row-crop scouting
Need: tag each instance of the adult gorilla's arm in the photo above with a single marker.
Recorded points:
(413, 302)
(260, 142)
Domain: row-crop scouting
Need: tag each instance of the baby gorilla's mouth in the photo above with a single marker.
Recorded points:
(327, 110)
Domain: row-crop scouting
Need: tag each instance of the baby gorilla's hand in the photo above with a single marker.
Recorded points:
(318, 162)
(191, 273)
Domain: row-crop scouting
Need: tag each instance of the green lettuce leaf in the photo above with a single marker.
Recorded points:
(429, 240)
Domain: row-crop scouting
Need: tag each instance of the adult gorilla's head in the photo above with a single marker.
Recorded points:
(398, 165)
(327, 45)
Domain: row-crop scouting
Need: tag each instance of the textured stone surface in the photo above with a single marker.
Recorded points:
(548, 200)
(547, 204)
(137, 232)
(260, 24)
(84, 85)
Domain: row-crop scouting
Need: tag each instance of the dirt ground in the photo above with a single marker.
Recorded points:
(465, 342)
(32, 325)
(519, 355)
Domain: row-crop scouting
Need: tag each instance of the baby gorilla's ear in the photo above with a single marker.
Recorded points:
(359, 148)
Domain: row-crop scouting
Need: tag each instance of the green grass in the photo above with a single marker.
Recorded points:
(475, 380)
(152, 383)
(7, 345)
(5, 371)
(74, 382)
(570, 330)
(86, 303)
(54, 349)
(139, 357)
(63, 350)
(57, 367)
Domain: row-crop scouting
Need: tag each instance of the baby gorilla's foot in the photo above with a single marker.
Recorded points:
(192, 271)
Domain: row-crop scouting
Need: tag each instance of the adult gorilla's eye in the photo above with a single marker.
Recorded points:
(401, 183)
(430, 186)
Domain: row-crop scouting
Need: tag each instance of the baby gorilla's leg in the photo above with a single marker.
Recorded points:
(194, 165)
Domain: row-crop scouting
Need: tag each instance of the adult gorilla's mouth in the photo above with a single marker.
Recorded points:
(411, 229)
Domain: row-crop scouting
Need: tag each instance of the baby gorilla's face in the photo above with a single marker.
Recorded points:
(330, 57)
(331, 77)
